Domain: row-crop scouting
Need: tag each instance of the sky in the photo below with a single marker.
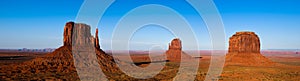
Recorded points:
(39, 23)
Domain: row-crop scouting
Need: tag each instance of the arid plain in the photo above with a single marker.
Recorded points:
(230, 73)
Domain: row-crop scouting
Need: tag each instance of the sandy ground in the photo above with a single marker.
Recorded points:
(288, 70)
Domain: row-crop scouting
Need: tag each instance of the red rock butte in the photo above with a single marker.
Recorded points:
(244, 42)
(61, 60)
(175, 44)
(79, 34)
(244, 49)
(175, 53)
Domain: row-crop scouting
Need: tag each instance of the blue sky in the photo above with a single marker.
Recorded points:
(39, 23)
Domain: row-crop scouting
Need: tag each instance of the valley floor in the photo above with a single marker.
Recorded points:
(288, 70)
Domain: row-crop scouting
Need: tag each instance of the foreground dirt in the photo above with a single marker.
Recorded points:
(244, 73)
(287, 70)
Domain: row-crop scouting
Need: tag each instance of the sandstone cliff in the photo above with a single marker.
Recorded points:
(244, 42)
(97, 45)
(244, 49)
(79, 34)
(59, 65)
(175, 53)
(68, 29)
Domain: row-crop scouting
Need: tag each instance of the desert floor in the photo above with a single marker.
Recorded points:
(287, 70)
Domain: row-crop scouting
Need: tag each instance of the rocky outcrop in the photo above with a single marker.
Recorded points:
(68, 29)
(59, 65)
(97, 45)
(83, 42)
(244, 42)
(79, 34)
(175, 50)
(244, 49)
(175, 44)
(175, 53)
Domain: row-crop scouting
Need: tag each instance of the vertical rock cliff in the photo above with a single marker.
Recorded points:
(244, 49)
(79, 34)
(175, 53)
(59, 65)
(97, 45)
(68, 29)
(244, 42)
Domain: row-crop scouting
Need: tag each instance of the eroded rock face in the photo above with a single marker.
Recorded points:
(61, 61)
(175, 44)
(79, 34)
(244, 42)
(68, 33)
(97, 45)
(175, 53)
(244, 49)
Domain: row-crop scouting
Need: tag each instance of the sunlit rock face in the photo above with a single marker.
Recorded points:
(175, 53)
(244, 49)
(175, 44)
(244, 42)
(78, 42)
(97, 45)
(77, 34)
(68, 33)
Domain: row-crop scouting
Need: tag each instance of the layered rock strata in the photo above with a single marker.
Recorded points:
(59, 65)
(244, 49)
(175, 53)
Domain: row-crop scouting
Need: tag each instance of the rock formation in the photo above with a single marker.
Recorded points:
(174, 53)
(244, 42)
(97, 45)
(60, 63)
(244, 49)
(68, 33)
(175, 44)
(80, 35)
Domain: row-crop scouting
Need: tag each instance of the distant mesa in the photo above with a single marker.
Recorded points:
(244, 49)
(175, 53)
(36, 50)
(175, 44)
(175, 50)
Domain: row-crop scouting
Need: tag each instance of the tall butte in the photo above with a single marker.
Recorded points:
(175, 53)
(61, 61)
(244, 49)
(79, 34)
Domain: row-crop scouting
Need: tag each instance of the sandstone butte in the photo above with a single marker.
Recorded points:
(244, 49)
(60, 63)
(175, 53)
